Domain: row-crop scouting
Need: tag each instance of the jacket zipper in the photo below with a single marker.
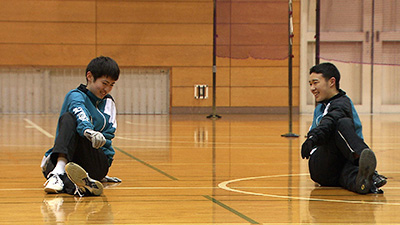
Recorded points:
(104, 118)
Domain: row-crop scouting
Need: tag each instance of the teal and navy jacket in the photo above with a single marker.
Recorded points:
(93, 113)
(327, 113)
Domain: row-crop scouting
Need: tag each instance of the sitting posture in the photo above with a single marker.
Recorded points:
(337, 153)
(82, 151)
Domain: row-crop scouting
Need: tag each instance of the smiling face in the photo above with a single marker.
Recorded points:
(101, 86)
(322, 88)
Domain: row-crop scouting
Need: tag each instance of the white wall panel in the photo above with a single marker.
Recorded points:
(42, 90)
(142, 91)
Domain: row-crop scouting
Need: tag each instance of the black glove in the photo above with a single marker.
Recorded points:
(306, 148)
(108, 179)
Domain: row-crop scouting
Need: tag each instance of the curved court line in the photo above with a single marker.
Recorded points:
(224, 185)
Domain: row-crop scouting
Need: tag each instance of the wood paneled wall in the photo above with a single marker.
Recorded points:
(145, 33)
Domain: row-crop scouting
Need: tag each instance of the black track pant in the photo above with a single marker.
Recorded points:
(336, 163)
(78, 150)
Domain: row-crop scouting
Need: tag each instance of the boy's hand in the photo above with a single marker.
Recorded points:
(97, 138)
(306, 148)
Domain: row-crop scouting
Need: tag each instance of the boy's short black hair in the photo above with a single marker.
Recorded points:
(103, 66)
(328, 70)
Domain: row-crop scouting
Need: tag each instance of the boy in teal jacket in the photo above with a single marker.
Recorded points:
(82, 151)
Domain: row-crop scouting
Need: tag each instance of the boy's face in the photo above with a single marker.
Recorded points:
(101, 87)
(321, 88)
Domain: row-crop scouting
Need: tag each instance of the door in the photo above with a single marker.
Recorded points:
(386, 76)
(341, 41)
(362, 39)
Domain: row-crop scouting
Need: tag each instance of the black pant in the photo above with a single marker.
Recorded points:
(77, 149)
(336, 163)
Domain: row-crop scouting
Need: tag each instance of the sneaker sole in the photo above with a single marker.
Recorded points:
(51, 190)
(79, 177)
(367, 165)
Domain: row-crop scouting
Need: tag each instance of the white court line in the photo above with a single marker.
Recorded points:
(224, 185)
(193, 188)
(200, 124)
(23, 145)
(119, 188)
(37, 127)
(191, 142)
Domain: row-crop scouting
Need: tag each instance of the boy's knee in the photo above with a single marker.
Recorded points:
(67, 117)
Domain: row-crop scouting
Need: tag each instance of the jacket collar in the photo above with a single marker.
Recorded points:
(91, 96)
(95, 100)
(338, 95)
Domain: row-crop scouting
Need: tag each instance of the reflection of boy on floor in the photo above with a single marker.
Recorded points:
(338, 154)
(82, 152)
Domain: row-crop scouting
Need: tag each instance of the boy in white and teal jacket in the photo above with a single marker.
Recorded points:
(82, 151)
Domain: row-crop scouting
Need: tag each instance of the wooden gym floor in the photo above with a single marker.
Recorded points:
(186, 169)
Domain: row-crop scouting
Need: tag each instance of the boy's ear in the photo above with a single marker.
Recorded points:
(89, 76)
(332, 82)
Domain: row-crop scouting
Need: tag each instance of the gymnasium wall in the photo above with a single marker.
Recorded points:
(174, 34)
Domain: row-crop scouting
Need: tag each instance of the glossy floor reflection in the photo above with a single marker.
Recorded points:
(62, 209)
(187, 169)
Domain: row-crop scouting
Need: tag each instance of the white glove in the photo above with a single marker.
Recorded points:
(95, 137)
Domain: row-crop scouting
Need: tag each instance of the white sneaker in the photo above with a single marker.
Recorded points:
(85, 185)
(54, 184)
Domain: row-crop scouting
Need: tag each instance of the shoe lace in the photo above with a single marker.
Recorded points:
(45, 183)
(56, 177)
(79, 191)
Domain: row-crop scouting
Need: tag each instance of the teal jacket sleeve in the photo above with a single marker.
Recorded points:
(357, 121)
(76, 105)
